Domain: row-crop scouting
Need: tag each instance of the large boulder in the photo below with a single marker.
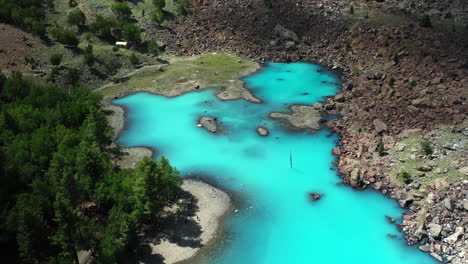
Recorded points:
(209, 123)
(262, 131)
(379, 125)
(286, 34)
(434, 230)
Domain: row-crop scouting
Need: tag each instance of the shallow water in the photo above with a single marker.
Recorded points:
(277, 223)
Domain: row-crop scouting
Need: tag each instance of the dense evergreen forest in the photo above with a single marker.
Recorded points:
(60, 188)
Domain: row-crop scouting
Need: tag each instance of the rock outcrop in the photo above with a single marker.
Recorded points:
(209, 123)
(302, 117)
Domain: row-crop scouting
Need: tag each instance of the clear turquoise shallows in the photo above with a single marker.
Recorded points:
(277, 222)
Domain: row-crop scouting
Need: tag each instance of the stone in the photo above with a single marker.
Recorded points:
(317, 106)
(436, 81)
(285, 33)
(464, 170)
(440, 184)
(404, 203)
(434, 230)
(453, 238)
(289, 44)
(379, 125)
(336, 151)
(262, 131)
(388, 141)
(448, 204)
(355, 178)
(340, 98)
(465, 204)
(436, 256)
(425, 168)
(425, 247)
(209, 123)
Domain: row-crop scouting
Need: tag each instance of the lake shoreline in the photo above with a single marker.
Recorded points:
(214, 203)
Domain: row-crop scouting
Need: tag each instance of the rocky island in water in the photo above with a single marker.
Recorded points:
(254, 131)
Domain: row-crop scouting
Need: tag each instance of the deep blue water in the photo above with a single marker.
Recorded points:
(277, 223)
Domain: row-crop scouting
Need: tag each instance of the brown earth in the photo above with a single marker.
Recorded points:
(15, 46)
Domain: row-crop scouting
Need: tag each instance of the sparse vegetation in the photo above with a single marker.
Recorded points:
(55, 59)
(134, 59)
(425, 21)
(64, 35)
(406, 177)
(391, 82)
(426, 147)
(76, 18)
(380, 149)
(88, 56)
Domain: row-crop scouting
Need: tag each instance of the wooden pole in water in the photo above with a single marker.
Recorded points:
(290, 158)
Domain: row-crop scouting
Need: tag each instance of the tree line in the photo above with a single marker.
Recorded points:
(61, 190)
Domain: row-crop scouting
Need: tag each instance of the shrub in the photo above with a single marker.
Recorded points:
(88, 56)
(131, 33)
(64, 35)
(426, 21)
(391, 83)
(121, 10)
(76, 18)
(134, 59)
(182, 6)
(380, 149)
(413, 83)
(386, 43)
(159, 16)
(396, 59)
(55, 59)
(72, 77)
(351, 10)
(426, 147)
(102, 26)
(72, 3)
(159, 4)
(112, 67)
(406, 177)
(115, 48)
(153, 47)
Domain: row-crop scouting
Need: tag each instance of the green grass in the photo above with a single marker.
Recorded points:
(212, 70)
(413, 157)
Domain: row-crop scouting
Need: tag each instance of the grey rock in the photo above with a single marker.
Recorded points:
(209, 123)
(262, 131)
(434, 230)
(465, 204)
(436, 256)
(453, 238)
(448, 203)
(379, 125)
(285, 33)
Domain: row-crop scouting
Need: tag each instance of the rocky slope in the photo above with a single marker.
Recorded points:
(404, 85)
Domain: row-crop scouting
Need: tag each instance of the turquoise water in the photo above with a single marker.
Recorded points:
(276, 222)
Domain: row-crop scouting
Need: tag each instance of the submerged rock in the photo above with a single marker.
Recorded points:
(262, 131)
(315, 196)
(209, 123)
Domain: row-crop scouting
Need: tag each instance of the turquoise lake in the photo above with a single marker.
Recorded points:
(276, 222)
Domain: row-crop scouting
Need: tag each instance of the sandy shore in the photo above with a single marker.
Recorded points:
(186, 231)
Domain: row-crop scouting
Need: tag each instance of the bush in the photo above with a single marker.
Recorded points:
(351, 10)
(72, 3)
(153, 47)
(72, 77)
(76, 18)
(425, 21)
(391, 83)
(406, 177)
(131, 33)
(159, 16)
(396, 59)
(413, 83)
(121, 10)
(426, 147)
(115, 48)
(64, 35)
(112, 67)
(55, 59)
(380, 149)
(88, 56)
(182, 6)
(134, 59)
(102, 26)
